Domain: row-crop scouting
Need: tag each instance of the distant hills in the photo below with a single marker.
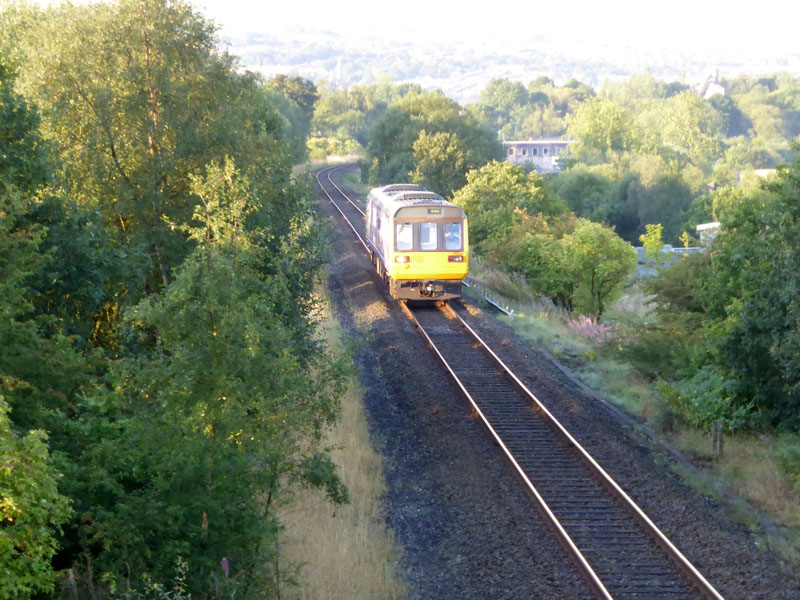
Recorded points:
(461, 69)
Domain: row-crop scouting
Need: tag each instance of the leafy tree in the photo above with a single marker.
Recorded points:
(218, 418)
(732, 314)
(602, 129)
(31, 511)
(588, 193)
(734, 123)
(564, 99)
(393, 136)
(136, 97)
(545, 262)
(501, 103)
(297, 97)
(38, 366)
(84, 268)
(673, 342)
(542, 122)
(440, 162)
(344, 117)
(23, 164)
(600, 261)
(652, 242)
(751, 292)
(504, 96)
(136, 100)
(691, 126)
(300, 91)
(498, 195)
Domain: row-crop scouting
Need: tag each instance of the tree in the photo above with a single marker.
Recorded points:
(502, 101)
(136, 96)
(173, 432)
(544, 261)
(497, 195)
(24, 163)
(217, 416)
(751, 295)
(31, 512)
(440, 162)
(691, 126)
(602, 129)
(394, 133)
(589, 194)
(733, 122)
(600, 261)
(297, 98)
(652, 242)
(542, 122)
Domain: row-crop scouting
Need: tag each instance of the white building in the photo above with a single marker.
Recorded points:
(707, 232)
(544, 154)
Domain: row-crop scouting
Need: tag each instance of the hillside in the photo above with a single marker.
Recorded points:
(462, 69)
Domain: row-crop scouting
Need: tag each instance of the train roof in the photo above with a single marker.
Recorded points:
(396, 196)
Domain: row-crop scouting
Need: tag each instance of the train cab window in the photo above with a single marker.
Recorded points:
(428, 236)
(404, 236)
(452, 236)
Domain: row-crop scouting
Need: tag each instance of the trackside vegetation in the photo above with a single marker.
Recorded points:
(162, 383)
(712, 338)
(165, 389)
(649, 161)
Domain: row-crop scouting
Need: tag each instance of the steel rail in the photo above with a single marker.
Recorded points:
(328, 171)
(338, 189)
(705, 588)
(564, 538)
(683, 564)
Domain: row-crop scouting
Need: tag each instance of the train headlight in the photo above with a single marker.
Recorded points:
(401, 259)
(455, 258)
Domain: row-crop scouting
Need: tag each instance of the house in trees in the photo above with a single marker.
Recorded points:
(544, 154)
(707, 232)
(711, 87)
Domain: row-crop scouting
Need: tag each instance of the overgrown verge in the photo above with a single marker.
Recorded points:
(162, 389)
(343, 552)
(760, 469)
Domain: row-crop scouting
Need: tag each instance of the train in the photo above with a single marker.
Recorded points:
(418, 242)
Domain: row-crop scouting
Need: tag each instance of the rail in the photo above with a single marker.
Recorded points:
(701, 584)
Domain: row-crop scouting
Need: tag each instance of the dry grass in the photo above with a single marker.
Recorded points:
(345, 552)
(750, 465)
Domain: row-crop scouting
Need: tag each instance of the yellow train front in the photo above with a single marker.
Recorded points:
(418, 242)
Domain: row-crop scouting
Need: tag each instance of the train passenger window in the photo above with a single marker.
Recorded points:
(404, 236)
(452, 236)
(428, 237)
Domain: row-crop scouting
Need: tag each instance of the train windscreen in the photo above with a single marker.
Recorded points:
(452, 236)
(428, 236)
(404, 236)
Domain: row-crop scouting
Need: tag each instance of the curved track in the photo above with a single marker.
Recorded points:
(620, 551)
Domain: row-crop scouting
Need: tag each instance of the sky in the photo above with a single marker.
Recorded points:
(765, 28)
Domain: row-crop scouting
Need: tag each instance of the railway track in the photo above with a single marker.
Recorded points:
(619, 550)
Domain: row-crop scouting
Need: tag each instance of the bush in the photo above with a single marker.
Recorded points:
(705, 398)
